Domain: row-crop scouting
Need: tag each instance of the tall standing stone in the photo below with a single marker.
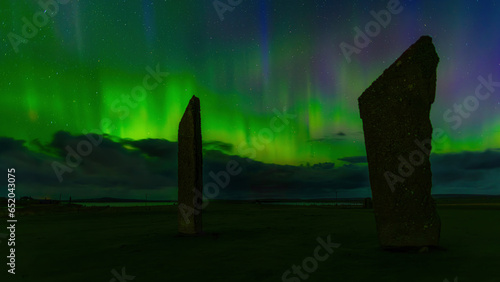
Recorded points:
(395, 112)
(190, 184)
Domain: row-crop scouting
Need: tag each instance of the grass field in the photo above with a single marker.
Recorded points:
(245, 242)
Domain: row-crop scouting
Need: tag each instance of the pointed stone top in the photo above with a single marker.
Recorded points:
(422, 47)
(422, 52)
(195, 101)
(192, 112)
(419, 60)
(425, 38)
(194, 104)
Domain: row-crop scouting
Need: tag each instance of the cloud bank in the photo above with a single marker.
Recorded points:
(131, 168)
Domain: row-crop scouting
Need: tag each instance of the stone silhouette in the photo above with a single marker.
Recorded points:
(395, 112)
(190, 183)
(367, 203)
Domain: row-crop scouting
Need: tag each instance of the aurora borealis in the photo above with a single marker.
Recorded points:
(264, 57)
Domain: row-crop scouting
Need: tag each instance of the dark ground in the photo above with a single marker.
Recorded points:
(245, 242)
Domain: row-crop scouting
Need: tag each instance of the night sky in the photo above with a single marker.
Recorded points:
(86, 68)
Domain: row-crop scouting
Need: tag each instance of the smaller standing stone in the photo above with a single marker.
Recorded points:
(190, 182)
(367, 204)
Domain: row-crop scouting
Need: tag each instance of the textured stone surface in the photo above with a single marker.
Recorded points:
(395, 112)
(367, 203)
(190, 164)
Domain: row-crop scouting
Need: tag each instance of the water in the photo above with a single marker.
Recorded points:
(149, 204)
(314, 203)
(138, 204)
(132, 204)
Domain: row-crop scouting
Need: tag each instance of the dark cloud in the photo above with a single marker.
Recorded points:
(155, 147)
(120, 167)
(219, 146)
(93, 161)
(9, 144)
(467, 172)
(328, 139)
(489, 159)
(354, 160)
(337, 137)
(323, 166)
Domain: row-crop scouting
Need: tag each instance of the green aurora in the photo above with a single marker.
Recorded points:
(74, 74)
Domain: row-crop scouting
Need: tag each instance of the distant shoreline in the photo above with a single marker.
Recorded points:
(264, 200)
